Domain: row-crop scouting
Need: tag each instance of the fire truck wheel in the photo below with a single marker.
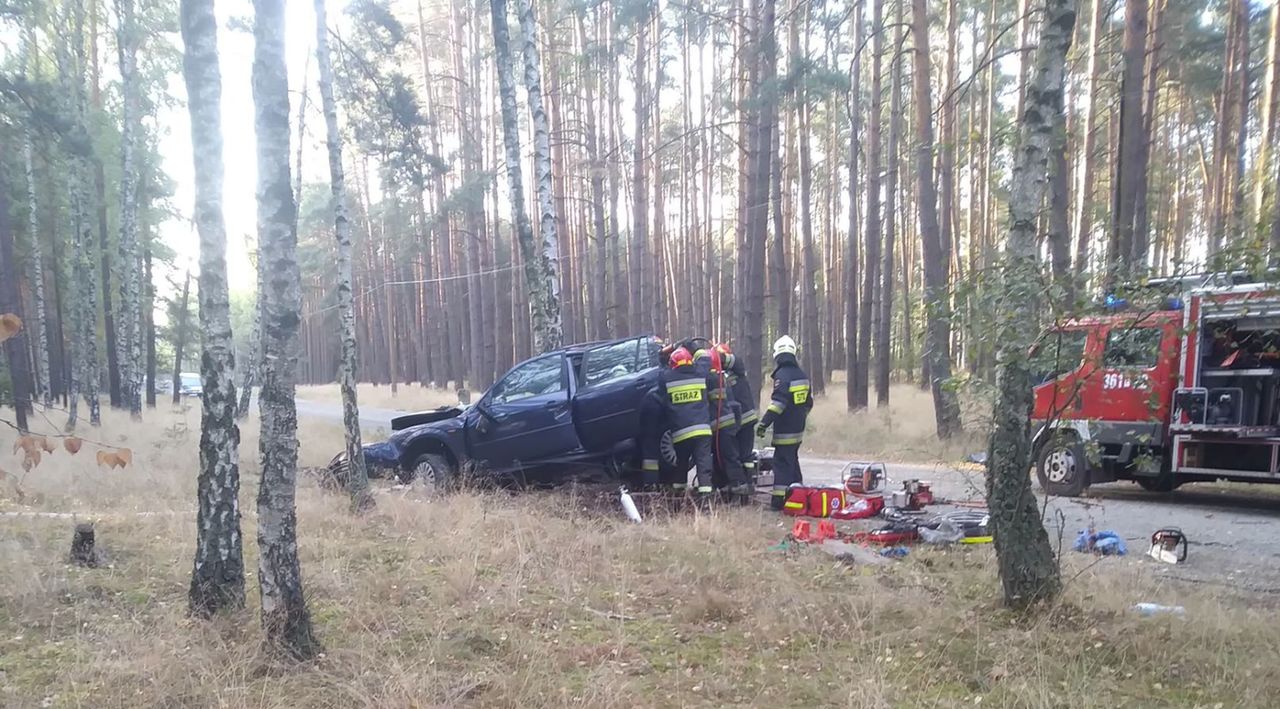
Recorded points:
(1063, 468)
(1164, 482)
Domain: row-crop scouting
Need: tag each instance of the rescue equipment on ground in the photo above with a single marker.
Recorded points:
(914, 496)
(1104, 543)
(864, 479)
(813, 501)
(1168, 545)
(629, 505)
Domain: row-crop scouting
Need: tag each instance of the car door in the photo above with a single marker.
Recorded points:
(615, 377)
(525, 417)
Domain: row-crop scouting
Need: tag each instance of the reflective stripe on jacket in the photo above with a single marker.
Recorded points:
(790, 402)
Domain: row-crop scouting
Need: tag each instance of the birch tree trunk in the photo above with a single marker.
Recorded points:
(1028, 569)
(357, 474)
(550, 333)
(540, 291)
(217, 576)
(180, 337)
(934, 252)
(87, 274)
(285, 617)
(130, 336)
(35, 277)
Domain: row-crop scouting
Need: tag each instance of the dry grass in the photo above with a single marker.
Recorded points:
(408, 397)
(902, 432)
(493, 600)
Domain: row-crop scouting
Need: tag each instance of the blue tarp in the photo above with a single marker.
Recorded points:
(1104, 543)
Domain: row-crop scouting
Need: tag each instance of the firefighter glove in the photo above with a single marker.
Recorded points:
(760, 430)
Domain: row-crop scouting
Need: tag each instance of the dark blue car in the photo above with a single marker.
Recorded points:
(578, 407)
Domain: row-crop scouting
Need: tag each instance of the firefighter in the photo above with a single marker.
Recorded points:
(729, 476)
(684, 400)
(788, 407)
(736, 374)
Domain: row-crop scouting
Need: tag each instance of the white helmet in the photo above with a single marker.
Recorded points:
(784, 345)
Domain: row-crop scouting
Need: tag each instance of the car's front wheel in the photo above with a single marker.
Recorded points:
(434, 471)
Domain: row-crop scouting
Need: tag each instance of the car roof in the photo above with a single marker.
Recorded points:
(584, 346)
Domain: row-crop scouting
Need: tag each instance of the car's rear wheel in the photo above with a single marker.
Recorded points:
(432, 470)
(1063, 467)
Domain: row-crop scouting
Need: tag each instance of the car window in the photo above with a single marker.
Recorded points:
(611, 362)
(1132, 347)
(536, 378)
(1057, 353)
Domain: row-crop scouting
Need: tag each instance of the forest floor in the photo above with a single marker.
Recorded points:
(499, 600)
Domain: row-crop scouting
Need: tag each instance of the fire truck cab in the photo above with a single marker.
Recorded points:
(1184, 391)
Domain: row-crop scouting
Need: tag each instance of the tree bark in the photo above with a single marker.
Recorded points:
(357, 480)
(884, 318)
(766, 52)
(285, 617)
(870, 303)
(11, 304)
(43, 376)
(1028, 569)
(217, 577)
(1083, 231)
(851, 319)
(934, 252)
(1265, 180)
(180, 338)
(811, 322)
(1130, 170)
(130, 336)
(548, 328)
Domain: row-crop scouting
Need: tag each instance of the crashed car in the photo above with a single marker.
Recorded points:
(574, 410)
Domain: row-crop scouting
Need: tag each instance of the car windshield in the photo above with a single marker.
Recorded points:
(190, 380)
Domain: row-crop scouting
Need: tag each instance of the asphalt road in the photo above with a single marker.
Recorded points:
(1234, 529)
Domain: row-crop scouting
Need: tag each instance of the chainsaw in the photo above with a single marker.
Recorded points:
(1168, 545)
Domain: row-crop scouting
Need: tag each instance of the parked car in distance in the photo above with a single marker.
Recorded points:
(190, 384)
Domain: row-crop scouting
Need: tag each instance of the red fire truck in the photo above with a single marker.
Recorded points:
(1165, 394)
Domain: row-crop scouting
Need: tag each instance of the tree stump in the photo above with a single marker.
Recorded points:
(83, 552)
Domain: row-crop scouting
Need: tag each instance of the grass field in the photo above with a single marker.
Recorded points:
(543, 600)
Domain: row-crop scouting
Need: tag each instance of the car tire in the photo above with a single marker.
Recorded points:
(432, 470)
(667, 450)
(334, 476)
(1062, 467)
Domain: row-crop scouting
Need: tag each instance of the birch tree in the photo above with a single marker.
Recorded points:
(285, 617)
(552, 332)
(130, 338)
(217, 576)
(1028, 569)
(357, 479)
(541, 302)
(35, 271)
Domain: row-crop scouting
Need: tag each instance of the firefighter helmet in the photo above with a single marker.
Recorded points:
(680, 357)
(784, 345)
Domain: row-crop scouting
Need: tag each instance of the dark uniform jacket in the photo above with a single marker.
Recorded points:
(737, 380)
(684, 400)
(790, 403)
